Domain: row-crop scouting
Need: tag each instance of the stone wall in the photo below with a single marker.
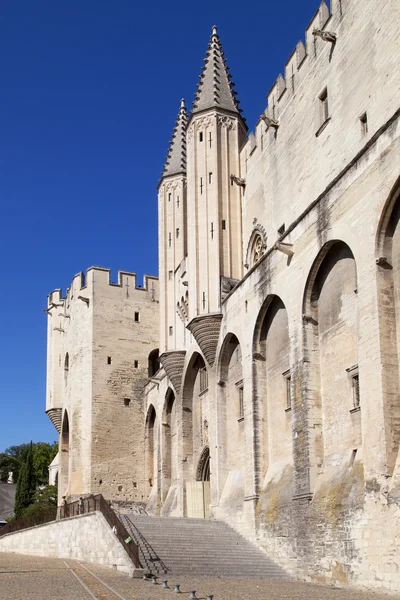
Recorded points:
(86, 537)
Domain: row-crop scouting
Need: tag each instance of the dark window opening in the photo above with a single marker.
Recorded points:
(136, 364)
(203, 379)
(137, 317)
(324, 106)
(66, 362)
(200, 136)
(223, 225)
(127, 401)
(364, 124)
(281, 229)
(109, 360)
(356, 391)
(241, 402)
(153, 362)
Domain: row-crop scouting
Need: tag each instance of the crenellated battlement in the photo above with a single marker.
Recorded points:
(96, 278)
(287, 84)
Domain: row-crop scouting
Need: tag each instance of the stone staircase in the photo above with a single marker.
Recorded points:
(197, 547)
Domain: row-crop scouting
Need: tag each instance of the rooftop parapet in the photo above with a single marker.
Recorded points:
(101, 276)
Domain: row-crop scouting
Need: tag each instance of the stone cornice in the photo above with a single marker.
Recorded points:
(173, 363)
(205, 330)
(55, 415)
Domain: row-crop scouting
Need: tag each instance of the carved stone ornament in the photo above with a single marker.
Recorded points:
(257, 245)
(226, 122)
(205, 330)
(173, 363)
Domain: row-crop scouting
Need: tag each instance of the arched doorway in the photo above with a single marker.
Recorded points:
(198, 492)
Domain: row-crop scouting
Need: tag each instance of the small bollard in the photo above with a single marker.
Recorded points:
(192, 595)
(176, 589)
(164, 584)
(154, 579)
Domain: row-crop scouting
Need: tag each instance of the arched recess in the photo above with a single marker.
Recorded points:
(388, 284)
(195, 416)
(169, 443)
(330, 321)
(231, 421)
(151, 450)
(273, 385)
(64, 474)
(153, 362)
(203, 467)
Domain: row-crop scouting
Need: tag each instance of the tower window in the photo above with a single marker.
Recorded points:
(355, 388)
(177, 202)
(127, 401)
(209, 138)
(210, 178)
(200, 136)
(169, 197)
(170, 274)
(281, 229)
(223, 224)
(137, 317)
(169, 240)
(171, 330)
(201, 185)
(364, 124)
(136, 364)
(177, 233)
(109, 360)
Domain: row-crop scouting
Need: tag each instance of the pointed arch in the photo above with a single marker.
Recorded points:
(169, 442)
(330, 330)
(64, 476)
(151, 449)
(256, 247)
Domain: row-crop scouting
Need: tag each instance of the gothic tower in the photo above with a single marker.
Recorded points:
(173, 239)
(216, 131)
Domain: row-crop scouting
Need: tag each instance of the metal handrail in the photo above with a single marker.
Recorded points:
(98, 503)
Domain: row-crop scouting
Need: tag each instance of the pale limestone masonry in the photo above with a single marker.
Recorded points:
(100, 337)
(87, 537)
(276, 407)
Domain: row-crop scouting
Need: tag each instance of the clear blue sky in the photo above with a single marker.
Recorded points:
(90, 92)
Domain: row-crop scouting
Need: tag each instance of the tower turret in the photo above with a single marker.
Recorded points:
(216, 131)
(173, 239)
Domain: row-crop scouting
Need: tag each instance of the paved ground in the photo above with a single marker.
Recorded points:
(30, 578)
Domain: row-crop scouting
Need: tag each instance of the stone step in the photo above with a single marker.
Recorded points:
(197, 547)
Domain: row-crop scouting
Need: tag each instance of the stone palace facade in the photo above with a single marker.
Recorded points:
(257, 380)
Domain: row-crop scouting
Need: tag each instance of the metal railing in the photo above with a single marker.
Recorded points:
(45, 516)
(98, 503)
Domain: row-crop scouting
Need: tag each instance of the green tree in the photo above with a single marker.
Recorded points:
(26, 485)
(14, 457)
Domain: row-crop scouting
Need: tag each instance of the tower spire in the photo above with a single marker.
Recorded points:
(215, 88)
(176, 158)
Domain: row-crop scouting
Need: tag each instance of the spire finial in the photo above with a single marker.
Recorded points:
(182, 102)
(214, 30)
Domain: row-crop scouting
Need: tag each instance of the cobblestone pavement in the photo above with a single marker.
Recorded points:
(31, 578)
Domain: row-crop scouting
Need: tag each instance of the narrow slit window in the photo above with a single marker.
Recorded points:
(210, 178)
(127, 401)
(287, 378)
(171, 330)
(223, 225)
(241, 402)
(136, 364)
(169, 197)
(203, 379)
(201, 185)
(200, 136)
(109, 360)
(209, 139)
(137, 317)
(355, 384)
(170, 273)
(169, 240)
(281, 229)
(177, 233)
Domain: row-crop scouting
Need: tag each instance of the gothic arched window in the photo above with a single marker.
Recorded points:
(257, 249)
